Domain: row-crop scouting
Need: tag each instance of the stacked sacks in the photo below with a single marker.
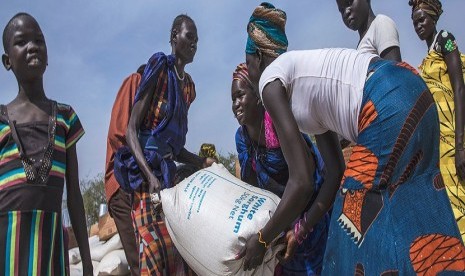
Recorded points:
(107, 257)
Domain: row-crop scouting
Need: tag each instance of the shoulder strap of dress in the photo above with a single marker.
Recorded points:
(14, 132)
(435, 40)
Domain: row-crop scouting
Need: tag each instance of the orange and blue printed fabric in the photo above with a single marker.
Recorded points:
(392, 215)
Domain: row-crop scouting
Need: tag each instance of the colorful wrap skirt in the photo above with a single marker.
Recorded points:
(157, 253)
(392, 215)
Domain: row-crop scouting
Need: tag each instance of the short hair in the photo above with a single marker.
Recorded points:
(177, 22)
(7, 31)
(141, 69)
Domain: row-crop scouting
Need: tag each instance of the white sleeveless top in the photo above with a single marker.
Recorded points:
(381, 34)
(325, 88)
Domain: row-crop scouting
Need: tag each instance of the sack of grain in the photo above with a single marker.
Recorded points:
(98, 251)
(114, 263)
(211, 214)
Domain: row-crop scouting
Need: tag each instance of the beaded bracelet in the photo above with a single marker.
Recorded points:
(300, 236)
(260, 240)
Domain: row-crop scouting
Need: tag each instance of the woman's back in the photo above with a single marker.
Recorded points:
(325, 87)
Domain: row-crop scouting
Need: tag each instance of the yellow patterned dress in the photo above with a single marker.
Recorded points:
(434, 72)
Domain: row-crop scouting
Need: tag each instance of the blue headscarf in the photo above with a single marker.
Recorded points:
(266, 30)
(169, 134)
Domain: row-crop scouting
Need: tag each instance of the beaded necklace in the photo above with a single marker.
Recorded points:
(177, 74)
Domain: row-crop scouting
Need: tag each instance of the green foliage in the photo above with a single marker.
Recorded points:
(228, 161)
(93, 194)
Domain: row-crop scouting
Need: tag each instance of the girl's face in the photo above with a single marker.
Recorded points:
(424, 24)
(186, 40)
(354, 12)
(27, 51)
(245, 103)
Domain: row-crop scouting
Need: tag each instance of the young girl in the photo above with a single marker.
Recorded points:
(37, 154)
(378, 33)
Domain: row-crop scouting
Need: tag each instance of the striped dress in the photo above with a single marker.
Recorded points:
(31, 236)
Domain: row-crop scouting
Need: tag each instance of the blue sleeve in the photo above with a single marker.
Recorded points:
(243, 154)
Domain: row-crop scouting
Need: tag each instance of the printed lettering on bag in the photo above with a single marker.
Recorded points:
(197, 193)
(249, 200)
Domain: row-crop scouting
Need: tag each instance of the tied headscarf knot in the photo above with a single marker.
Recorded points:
(431, 7)
(266, 30)
(242, 74)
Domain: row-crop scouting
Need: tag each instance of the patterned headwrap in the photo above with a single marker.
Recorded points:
(431, 7)
(266, 31)
(242, 74)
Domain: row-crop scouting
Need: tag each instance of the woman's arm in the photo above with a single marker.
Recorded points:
(454, 67)
(188, 157)
(272, 185)
(328, 145)
(137, 116)
(76, 209)
(299, 187)
(391, 53)
(332, 156)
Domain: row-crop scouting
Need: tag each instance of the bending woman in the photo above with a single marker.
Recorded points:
(156, 136)
(263, 165)
(443, 71)
(391, 209)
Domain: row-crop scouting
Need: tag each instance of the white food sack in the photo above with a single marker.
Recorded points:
(76, 269)
(74, 256)
(211, 214)
(98, 251)
(114, 263)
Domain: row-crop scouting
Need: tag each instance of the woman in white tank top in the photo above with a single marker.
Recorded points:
(391, 209)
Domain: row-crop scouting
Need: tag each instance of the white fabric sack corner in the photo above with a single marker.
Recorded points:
(74, 256)
(98, 251)
(76, 269)
(94, 240)
(211, 214)
(114, 263)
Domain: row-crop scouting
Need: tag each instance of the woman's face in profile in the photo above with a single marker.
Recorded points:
(244, 102)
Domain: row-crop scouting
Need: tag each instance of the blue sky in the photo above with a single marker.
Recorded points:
(94, 45)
